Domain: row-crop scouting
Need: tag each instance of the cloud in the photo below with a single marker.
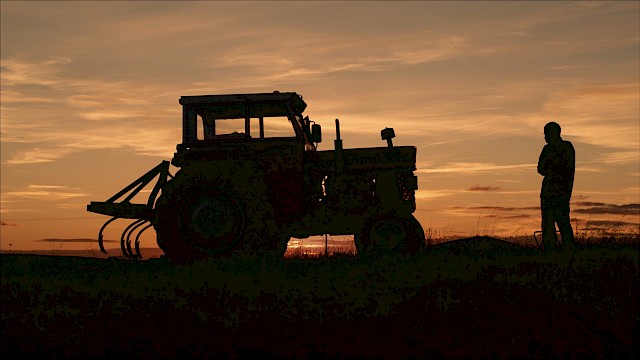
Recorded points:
(601, 208)
(37, 155)
(502, 208)
(13, 97)
(618, 157)
(519, 216)
(44, 195)
(432, 194)
(130, 102)
(606, 226)
(604, 115)
(53, 240)
(152, 141)
(88, 113)
(588, 203)
(497, 212)
(16, 72)
(464, 167)
(47, 186)
(6, 223)
(483, 188)
(609, 224)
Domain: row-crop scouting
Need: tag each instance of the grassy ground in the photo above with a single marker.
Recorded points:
(474, 298)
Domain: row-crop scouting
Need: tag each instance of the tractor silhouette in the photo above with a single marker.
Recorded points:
(250, 177)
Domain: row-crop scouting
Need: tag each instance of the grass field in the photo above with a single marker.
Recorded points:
(473, 298)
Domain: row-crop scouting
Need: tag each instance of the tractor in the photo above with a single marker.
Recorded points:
(250, 177)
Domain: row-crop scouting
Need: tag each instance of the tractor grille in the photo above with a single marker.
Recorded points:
(408, 184)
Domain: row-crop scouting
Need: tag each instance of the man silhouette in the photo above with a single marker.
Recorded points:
(557, 164)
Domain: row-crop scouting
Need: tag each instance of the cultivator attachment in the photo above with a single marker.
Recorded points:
(143, 213)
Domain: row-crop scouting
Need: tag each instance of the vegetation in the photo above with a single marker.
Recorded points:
(472, 298)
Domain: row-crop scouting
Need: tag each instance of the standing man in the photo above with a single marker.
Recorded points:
(557, 163)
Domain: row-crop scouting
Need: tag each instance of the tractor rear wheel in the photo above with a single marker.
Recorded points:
(198, 218)
(388, 233)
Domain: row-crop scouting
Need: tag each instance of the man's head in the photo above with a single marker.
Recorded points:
(551, 132)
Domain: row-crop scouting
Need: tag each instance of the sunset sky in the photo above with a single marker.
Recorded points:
(89, 100)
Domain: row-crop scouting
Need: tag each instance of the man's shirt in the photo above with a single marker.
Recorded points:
(557, 163)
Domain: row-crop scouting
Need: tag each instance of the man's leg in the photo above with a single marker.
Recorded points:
(561, 212)
(548, 225)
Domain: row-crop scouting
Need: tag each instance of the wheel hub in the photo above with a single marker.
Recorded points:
(212, 222)
(388, 233)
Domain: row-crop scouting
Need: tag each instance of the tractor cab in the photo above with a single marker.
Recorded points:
(246, 116)
(249, 136)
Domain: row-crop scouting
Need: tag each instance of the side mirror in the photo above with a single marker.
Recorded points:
(316, 133)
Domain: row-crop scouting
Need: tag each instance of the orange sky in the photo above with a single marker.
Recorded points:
(89, 99)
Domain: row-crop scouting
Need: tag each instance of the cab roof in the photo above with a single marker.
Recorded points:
(245, 99)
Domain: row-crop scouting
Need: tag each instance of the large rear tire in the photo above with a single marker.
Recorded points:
(199, 218)
(389, 234)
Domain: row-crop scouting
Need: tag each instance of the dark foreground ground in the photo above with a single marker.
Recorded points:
(479, 298)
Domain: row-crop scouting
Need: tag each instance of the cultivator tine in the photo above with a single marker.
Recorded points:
(124, 233)
(137, 244)
(129, 252)
(100, 240)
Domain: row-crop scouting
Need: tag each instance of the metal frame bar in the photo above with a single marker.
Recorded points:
(540, 244)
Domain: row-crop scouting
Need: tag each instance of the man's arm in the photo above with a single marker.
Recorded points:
(542, 162)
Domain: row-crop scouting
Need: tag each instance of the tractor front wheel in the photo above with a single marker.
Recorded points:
(390, 234)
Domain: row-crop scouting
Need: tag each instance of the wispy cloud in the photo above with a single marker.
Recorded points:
(37, 155)
(602, 208)
(518, 216)
(16, 72)
(7, 223)
(47, 186)
(604, 115)
(607, 224)
(474, 167)
(484, 188)
(433, 194)
(89, 113)
(55, 136)
(44, 195)
(513, 215)
(81, 240)
(14, 97)
(503, 208)
(618, 157)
